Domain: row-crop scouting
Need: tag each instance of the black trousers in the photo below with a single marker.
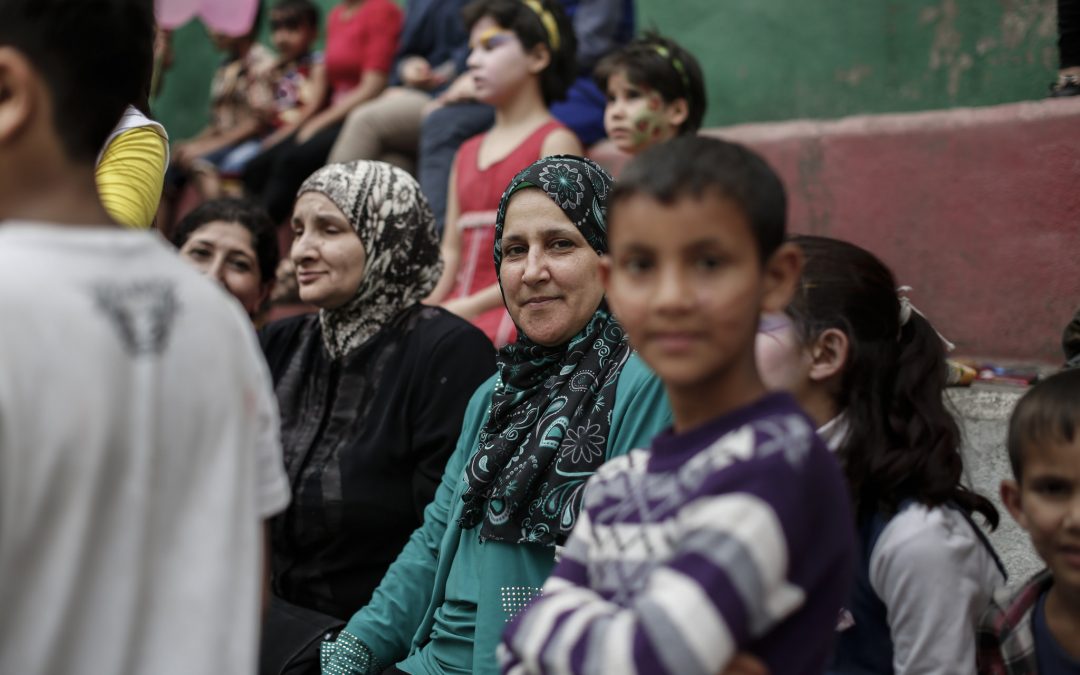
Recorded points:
(441, 135)
(273, 177)
(1069, 32)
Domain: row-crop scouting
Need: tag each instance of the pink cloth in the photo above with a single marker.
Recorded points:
(231, 17)
(366, 39)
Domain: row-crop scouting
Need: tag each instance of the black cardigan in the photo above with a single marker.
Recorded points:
(365, 442)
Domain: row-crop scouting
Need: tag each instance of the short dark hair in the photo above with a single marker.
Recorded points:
(660, 64)
(95, 57)
(1048, 413)
(245, 212)
(691, 166)
(304, 10)
(516, 16)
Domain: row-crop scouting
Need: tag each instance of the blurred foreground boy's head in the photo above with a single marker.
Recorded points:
(697, 253)
(68, 69)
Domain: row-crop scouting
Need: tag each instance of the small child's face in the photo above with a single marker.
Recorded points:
(292, 37)
(1046, 503)
(637, 117)
(687, 284)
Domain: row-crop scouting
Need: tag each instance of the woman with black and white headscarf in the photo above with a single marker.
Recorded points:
(372, 389)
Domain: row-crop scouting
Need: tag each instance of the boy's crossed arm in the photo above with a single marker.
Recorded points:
(725, 584)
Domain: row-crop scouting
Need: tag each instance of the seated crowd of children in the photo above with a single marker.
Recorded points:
(720, 447)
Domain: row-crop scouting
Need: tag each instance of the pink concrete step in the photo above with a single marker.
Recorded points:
(978, 209)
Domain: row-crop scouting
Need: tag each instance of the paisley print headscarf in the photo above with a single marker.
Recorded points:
(393, 220)
(550, 415)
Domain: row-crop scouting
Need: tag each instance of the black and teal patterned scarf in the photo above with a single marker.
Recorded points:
(547, 429)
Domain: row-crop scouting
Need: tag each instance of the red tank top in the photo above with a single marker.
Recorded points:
(479, 191)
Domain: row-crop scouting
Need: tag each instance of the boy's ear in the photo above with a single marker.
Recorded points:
(782, 271)
(677, 111)
(16, 94)
(539, 58)
(1010, 497)
(829, 354)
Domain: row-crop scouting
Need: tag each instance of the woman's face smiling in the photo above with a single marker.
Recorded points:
(225, 251)
(549, 274)
(328, 255)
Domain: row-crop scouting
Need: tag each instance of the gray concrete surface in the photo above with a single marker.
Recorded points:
(983, 413)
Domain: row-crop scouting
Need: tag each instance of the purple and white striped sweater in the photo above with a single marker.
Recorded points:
(735, 536)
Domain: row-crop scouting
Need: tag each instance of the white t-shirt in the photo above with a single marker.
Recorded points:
(139, 454)
(935, 576)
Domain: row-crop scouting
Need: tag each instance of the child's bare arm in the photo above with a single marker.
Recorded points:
(185, 153)
(561, 142)
(476, 304)
(371, 85)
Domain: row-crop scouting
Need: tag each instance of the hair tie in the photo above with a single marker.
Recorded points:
(906, 310)
(546, 18)
(666, 54)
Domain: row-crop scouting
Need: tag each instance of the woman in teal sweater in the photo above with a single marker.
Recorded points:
(569, 395)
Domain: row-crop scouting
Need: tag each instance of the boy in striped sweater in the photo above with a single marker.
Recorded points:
(733, 532)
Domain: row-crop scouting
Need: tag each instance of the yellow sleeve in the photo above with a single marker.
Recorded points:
(130, 176)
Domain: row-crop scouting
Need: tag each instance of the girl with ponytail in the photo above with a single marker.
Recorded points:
(870, 371)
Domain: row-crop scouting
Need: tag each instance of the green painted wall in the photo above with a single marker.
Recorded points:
(783, 59)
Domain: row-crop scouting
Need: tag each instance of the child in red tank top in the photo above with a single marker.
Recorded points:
(522, 59)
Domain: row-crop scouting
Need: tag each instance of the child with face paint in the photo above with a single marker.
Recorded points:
(655, 92)
(522, 60)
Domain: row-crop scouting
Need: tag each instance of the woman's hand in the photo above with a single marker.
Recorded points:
(416, 72)
(462, 89)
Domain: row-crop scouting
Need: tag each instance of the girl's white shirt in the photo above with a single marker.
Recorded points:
(935, 576)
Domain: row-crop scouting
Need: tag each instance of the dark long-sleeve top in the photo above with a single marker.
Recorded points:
(600, 26)
(434, 30)
(365, 441)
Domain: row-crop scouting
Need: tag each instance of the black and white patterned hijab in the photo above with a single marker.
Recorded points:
(394, 222)
(550, 416)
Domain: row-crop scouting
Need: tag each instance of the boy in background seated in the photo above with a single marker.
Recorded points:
(298, 78)
(239, 95)
(139, 455)
(286, 95)
(1036, 629)
(733, 532)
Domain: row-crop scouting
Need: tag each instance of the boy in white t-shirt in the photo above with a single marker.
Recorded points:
(138, 434)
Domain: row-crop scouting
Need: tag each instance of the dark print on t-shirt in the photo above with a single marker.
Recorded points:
(142, 312)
